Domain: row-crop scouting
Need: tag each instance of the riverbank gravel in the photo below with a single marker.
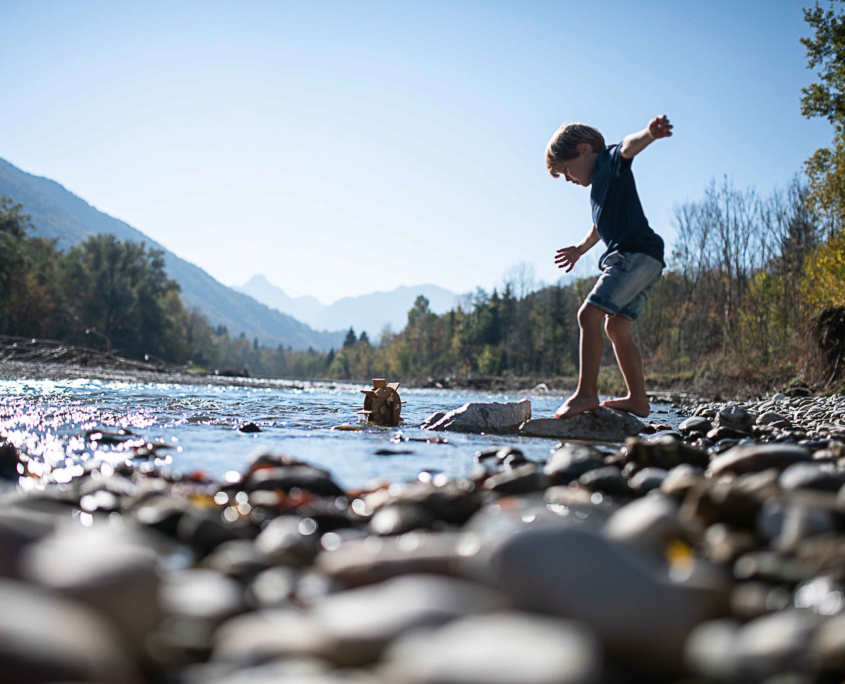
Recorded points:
(710, 553)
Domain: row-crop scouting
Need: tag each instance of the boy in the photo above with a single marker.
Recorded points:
(630, 266)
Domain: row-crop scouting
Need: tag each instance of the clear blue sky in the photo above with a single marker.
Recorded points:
(346, 147)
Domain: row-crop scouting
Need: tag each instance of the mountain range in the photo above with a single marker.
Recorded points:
(370, 312)
(58, 214)
(259, 309)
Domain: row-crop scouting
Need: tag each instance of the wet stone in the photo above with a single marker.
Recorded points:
(608, 479)
(307, 478)
(249, 428)
(571, 461)
(479, 417)
(695, 425)
(521, 480)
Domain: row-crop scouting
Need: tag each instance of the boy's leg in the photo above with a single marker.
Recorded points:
(586, 397)
(630, 363)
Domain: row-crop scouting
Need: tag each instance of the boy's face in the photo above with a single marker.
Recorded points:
(580, 169)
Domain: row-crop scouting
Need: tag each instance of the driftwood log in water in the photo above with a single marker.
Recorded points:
(52, 351)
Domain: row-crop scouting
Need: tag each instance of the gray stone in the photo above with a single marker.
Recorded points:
(400, 518)
(651, 520)
(273, 588)
(46, 638)
(770, 417)
(681, 479)
(490, 418)
(571, 461)
(746, 459)
(352, 628)
(283, 542)
(451, 502)
(358, 624)
(237, 558)
(366, 561)
(110, 570)
(814, 475)
(602, 424)
(663, 452)
(734, 417)
(774, 643)
(311, 479)
(623, 594)
(16, 533)
(509, 648)
(828, 644)
(787, 523)
(648, 479)
(521, 480)
(608, 480)
(695, 425)
(201, 594)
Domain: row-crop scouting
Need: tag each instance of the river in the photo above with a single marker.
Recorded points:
(68, 423)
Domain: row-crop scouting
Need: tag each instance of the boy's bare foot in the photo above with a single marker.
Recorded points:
(575, 405)
(639, 407)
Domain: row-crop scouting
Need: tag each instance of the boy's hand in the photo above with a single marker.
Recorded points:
(659, 127)
(566, 257)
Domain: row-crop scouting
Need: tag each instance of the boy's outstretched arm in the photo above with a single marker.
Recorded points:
(633, 144)
(567, 256)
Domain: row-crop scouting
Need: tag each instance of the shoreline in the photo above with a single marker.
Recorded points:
(27, 370)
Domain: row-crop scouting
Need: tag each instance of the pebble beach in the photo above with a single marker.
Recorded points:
(709, 551)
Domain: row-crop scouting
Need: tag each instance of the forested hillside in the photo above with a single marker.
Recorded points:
(58, 214)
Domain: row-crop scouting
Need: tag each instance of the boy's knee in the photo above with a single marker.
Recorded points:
(589, 315)
(616, 327)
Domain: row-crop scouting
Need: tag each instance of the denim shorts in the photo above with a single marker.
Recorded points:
(624, 284)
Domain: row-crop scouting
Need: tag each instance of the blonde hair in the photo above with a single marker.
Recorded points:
(564, 144)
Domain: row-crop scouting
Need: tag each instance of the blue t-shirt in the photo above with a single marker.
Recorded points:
(617, 212)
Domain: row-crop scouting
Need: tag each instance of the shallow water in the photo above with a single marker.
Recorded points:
(66, 423)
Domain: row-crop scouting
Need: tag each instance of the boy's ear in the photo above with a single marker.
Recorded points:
(584, 149)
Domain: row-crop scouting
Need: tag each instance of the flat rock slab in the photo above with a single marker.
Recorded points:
(602, 424)
(477, 417)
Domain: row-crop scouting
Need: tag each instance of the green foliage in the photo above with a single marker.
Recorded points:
(826, 98)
